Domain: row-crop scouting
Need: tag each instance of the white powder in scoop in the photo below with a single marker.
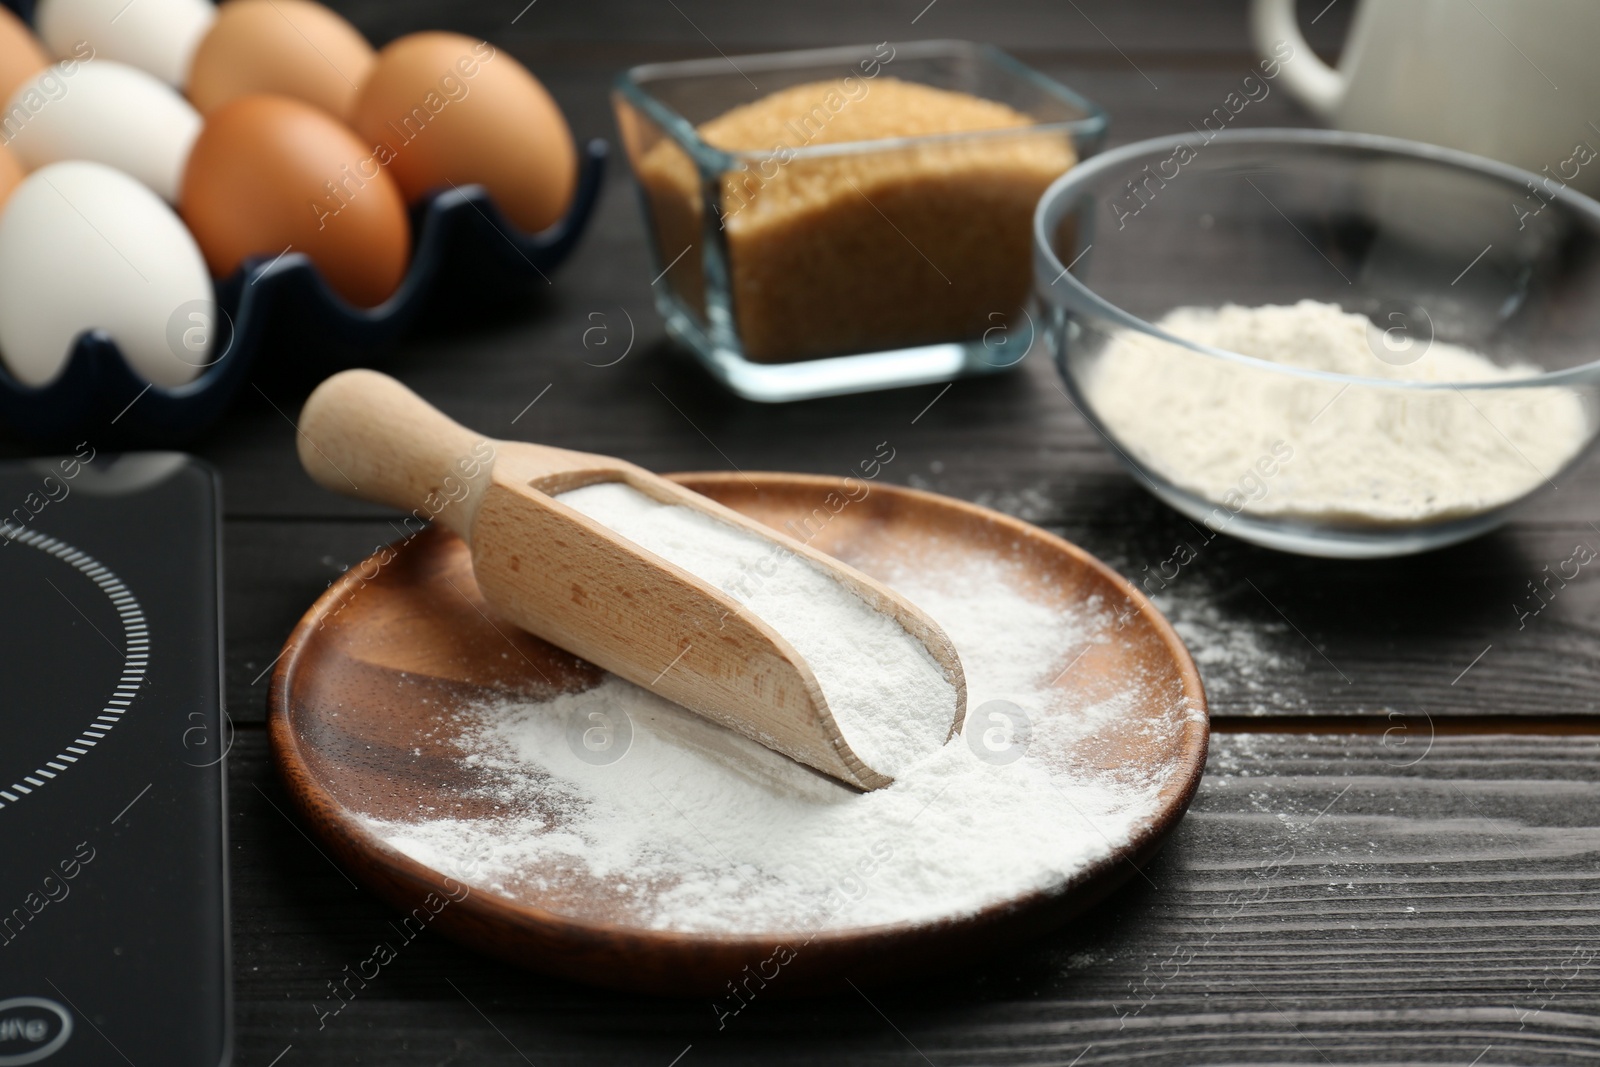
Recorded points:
(697, 828)
(1362, 454)
(888, 695)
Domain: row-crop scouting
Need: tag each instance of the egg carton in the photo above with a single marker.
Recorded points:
(466, 251)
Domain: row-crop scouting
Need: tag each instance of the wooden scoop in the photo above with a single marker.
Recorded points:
(570, 580)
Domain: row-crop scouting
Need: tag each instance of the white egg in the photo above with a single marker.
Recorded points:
(158, 36)
(105, 112)
(85, 247)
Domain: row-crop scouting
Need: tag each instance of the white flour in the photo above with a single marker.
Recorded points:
(698, 829)
(888, 695)
(1362, 455)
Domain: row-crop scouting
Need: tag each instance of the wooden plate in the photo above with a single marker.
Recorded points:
(361, 728)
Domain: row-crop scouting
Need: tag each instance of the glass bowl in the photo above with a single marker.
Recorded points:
(1443, 373)
(822, 265)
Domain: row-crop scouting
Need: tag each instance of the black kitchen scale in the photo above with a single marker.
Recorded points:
(113, 881)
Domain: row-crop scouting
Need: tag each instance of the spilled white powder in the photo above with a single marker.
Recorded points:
(1360, 455)
(699, 829)
(888, 695)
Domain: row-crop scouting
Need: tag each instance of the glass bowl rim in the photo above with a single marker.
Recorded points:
(1081, 298)
(632, 85)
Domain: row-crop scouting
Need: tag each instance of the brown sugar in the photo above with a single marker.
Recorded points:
(896, 245)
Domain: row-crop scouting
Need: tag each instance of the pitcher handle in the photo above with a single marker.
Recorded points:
(1310, 80)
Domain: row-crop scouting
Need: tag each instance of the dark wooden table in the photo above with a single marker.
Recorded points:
(1392, 857)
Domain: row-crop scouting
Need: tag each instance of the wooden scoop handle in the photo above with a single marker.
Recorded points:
(365, 435)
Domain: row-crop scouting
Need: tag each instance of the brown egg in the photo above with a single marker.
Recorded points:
(268, 174)
(11, 174)
(21, 54)
(290, 47)
(454, 111)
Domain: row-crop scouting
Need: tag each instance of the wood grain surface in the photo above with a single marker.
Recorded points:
(1279, 927)
(1328, 899)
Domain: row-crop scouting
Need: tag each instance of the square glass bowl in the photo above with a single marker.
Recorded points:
(814, 266)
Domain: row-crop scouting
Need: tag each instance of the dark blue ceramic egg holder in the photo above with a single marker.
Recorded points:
(281, 309)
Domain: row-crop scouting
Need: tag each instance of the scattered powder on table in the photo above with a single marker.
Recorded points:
(697, 828)
(887, 693)
(1360, 455)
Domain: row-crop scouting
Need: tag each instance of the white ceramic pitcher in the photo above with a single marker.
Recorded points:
(1515, 80)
